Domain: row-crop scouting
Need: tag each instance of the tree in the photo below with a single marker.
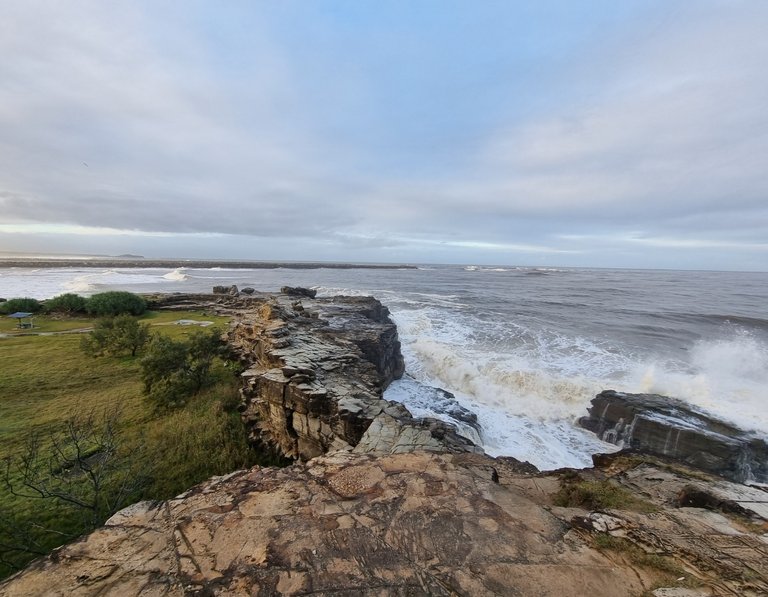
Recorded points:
(173, 371)
(83, 466)
(115, 336)
(66, 303)
(26, 305)
(204, 347)
(116, 302)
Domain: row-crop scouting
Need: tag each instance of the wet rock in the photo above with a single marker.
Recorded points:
(299, 291)
(667, 427)
(230, 290)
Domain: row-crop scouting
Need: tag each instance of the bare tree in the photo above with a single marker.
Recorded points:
(81, 465)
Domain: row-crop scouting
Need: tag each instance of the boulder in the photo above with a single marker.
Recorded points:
(298, 291)
(671, 428)
(230, 290)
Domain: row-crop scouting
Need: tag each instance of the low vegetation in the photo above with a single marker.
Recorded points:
(115, 302)
(80, 439)
(24, 305)
(671, 573)
(576, 492)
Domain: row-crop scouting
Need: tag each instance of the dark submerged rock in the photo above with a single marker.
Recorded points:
(668, 427)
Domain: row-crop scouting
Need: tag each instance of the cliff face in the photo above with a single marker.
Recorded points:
(316, 370)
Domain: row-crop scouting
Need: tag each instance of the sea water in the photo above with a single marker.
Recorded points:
(524, 348)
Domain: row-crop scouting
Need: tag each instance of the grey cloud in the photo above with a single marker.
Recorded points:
(97, 128)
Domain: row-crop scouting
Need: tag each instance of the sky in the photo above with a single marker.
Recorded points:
(590, 133)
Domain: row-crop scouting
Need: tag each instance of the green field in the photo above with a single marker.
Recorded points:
(46, 380)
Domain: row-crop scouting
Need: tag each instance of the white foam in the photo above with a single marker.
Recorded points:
(727, 377)
(177, 275)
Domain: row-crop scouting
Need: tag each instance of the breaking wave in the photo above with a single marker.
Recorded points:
(177, 275)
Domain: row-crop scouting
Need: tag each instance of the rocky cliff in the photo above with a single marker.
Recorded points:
(380, 503)
(315, 373)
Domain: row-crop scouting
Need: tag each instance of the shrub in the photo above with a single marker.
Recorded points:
(66, 303)
(115, 336)
(26, 305)
(116, 302)
(173, 371)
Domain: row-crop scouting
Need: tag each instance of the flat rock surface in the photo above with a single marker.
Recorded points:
(345, 524)
(402, 524)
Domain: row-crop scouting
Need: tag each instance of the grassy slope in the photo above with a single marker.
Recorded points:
(46, 379)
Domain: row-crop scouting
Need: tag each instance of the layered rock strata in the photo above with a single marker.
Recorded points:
(410, 524)
(667, 427)
(315, 374)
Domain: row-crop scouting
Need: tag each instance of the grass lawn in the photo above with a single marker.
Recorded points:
(56, 323)
(47, 379)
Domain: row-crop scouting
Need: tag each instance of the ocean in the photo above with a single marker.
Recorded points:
(524, 348)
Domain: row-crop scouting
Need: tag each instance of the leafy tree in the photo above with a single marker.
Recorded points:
(203, 348)
(115, 336)
(26, 305)
(173, 371)
(116, 302)
(66, 303)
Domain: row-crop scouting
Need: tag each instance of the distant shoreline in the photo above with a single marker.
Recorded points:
(198, 264)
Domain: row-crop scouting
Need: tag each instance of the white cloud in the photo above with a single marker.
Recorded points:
(675, 122)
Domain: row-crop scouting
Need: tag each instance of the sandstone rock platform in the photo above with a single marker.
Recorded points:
(407, 524)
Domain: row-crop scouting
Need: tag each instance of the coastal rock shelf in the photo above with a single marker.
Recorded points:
(316, 371)
(667, 427)
(407, 524)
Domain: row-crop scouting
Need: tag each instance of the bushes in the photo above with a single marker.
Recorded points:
(66, 303)
(104, 304)
(116, 302)
(25, 305)
(576, 492)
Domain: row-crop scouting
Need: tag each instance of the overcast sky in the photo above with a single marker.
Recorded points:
(594, 133)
